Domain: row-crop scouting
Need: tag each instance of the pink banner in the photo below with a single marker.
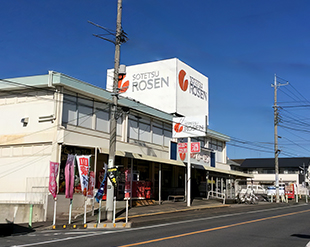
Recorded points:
(83, 164)
(69, 176)
(53, 175)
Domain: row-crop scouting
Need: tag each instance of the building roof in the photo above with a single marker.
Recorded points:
(54, 78)
(270, 162)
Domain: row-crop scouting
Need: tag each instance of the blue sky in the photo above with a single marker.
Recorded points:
(239, 45)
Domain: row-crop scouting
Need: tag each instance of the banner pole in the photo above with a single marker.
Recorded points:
(99, 211)
(85, 199)
(188, 172)
(70, 211)
(114, 206)
(55, 209)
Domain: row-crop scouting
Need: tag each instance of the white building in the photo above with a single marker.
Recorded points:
(47, 117)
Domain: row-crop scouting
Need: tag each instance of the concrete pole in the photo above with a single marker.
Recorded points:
(113, 119)
(276, 151)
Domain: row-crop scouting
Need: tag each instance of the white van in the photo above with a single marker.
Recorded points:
(258, 189)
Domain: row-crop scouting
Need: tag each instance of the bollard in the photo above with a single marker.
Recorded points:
(30, 215)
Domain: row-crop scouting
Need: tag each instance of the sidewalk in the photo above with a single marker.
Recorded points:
(167, 207)
(138, 211)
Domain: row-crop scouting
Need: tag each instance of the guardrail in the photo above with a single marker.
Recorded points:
(217, 195)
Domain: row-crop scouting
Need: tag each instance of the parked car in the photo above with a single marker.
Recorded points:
(271, 191)
(257, 190)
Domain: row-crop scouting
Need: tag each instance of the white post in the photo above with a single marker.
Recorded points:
(55, 209)
(99, 211)
(114, 207)
(95, 171)
(131, 178)
(70, 211)
(85, 199)
(189, 172)
(127, 210)
(159, 185)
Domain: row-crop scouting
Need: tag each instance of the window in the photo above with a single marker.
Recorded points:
(133, 128)
(69, 110)
(216, 145)
(102, 117)
(157, 136)
(85, 113)
(145, 129)
(167, 134)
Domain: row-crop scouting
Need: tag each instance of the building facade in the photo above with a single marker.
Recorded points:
(291, 171)
(48, 117)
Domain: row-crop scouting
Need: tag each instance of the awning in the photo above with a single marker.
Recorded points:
(143, 157)
(117, 152)
(156, 159)
(230, 172)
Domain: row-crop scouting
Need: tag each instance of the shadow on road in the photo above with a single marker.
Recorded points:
(11, 229)
(301, 235)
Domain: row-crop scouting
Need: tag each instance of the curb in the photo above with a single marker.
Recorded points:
(173, 211)
(109, 225)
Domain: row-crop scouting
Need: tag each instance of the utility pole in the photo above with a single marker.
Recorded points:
(113, 119)
(276, 150)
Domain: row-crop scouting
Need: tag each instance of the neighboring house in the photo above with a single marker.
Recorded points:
(47, 117)
(263, 170)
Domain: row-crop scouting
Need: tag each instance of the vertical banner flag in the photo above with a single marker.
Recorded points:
(83, 164)
(127, 183)
(91, 186)
(100, 191)
(69, 176)
(53, 175)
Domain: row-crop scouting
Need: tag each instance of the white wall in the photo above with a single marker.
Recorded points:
(25, 149)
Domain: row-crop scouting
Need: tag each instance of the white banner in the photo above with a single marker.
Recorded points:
(83, 165)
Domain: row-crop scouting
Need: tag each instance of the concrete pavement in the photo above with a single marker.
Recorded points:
(167, 207)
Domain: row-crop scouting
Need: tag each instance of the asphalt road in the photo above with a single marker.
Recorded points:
(236, 226)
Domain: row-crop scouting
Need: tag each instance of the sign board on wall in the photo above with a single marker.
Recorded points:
(180, 88)
(189, 126)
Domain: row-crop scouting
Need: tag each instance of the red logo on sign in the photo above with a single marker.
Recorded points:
(178, 127)
(183, 83)
(182, 156)
(122, 86)
(195, 147)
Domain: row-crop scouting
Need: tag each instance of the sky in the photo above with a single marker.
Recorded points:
(239, 45)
